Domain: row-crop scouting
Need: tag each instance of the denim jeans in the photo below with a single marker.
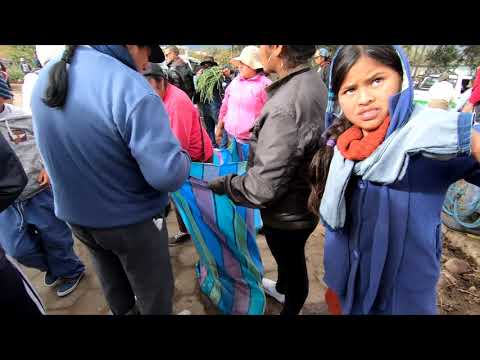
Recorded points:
(209, 113)
(32, 234)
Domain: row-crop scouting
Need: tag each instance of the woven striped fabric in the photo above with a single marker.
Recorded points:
(230, 268)
(235, 152)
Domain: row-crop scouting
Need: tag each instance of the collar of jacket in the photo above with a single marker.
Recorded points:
(118, 52)
(253, 78)
(294, 72)
(176, 62)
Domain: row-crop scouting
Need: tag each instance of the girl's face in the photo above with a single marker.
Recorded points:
(365, 91)
(246, 71)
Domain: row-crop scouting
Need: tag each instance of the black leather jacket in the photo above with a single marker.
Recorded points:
(284, 140)
(180, 75)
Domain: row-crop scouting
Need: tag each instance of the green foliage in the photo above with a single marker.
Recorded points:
(206, 83)
(471, 55)
(237, 49)
(222, 56)
(23, 51)
(443, 57)
(15, 53)
(15, 73)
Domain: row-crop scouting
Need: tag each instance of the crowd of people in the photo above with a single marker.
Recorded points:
(107, 133)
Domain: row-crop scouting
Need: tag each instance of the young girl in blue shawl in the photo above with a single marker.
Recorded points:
(379, 181)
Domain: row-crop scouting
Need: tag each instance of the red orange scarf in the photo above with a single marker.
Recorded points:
(354, 146)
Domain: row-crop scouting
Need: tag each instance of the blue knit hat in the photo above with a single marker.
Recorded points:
(4, 90)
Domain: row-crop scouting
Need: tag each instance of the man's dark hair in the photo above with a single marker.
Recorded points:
(295, 55)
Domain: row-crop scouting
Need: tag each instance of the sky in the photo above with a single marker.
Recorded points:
(198, 47)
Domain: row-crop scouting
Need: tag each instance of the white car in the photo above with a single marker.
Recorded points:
(459, 82)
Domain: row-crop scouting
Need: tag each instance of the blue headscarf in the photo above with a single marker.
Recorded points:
(400, 105)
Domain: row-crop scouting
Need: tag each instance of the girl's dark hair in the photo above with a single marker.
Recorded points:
(347, 56)
(295, 55)
(2, 66)
(57, 88)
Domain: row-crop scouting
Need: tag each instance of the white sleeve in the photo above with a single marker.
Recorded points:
(27, 88)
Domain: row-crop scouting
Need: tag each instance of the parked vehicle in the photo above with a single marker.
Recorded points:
(459, 82)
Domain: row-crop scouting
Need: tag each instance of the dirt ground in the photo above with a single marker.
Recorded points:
(88, 298)
(458, 294)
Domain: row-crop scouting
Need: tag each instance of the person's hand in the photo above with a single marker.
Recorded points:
(217, 185)
(43, 178)
(468, 107)
(218, 135)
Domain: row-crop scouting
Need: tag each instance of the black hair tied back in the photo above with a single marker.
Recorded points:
(57, 88)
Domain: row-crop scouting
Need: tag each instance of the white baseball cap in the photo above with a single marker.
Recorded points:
(45, 53)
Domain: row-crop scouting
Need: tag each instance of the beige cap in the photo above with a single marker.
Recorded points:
(250, 56)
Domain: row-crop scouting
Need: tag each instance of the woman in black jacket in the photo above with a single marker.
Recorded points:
(283, 142)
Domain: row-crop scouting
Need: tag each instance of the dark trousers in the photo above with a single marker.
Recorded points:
(288, 249)
(210, 111)
(132, 261)
(17, 295)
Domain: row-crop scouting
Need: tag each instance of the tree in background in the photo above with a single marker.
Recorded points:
(471, 55)
(443, 57)
(15, 53)
(223, 56)
(24, 51)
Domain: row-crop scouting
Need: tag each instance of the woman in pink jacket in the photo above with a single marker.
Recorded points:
(244, 97)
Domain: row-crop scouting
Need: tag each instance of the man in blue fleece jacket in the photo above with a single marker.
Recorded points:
(112, 159)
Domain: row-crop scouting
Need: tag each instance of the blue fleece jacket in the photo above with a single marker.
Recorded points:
(110, 152)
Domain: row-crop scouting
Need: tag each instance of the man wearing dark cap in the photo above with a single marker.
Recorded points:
(112, 159)
(211, 109)
(180, 73)
(208, 61)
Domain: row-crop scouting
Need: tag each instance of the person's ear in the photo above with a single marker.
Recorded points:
(277, 50)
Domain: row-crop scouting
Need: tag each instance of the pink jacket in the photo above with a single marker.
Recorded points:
(475, 97)
(243, 102)
(186, 124)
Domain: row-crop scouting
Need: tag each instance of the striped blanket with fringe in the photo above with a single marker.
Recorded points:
(230, 268)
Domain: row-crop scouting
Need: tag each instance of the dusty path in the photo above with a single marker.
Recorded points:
(458, 293)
